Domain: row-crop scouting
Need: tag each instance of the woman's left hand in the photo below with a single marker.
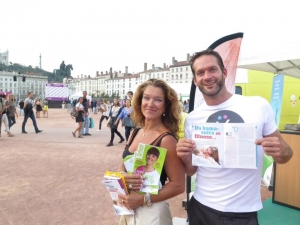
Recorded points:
(131, 201)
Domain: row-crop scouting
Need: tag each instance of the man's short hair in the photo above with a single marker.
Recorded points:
(130, 92)
(84, 91)
(30, 92)
(206, 52)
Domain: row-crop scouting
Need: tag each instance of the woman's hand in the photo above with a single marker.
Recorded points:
(133, 182)
(131, 201)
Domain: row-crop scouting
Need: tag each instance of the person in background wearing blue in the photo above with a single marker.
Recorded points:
(125, 114)
(86, 123)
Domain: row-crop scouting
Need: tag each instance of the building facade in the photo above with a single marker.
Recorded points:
(35, 84)
(180, 72)
(4, 58)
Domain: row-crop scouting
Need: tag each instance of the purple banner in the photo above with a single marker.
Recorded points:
(57, 99)
(57, 85)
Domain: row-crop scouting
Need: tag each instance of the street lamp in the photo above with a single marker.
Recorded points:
(23, 79)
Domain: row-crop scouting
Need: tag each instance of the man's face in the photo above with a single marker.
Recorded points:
(31, 95)
(208, 76)
(84, 94)
(129, 95)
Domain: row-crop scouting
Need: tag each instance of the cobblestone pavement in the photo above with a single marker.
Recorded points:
(54, 178)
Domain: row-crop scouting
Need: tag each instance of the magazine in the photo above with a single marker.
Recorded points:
(147, 161)
(115, 184)
(225, 145)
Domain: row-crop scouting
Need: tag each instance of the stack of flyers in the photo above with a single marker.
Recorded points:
(115, 184)
(148, 162)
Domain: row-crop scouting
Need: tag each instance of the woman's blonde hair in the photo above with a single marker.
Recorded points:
(13, 99)
(105, 100)
(171, 119)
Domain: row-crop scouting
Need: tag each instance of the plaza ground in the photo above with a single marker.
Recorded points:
(54, 178)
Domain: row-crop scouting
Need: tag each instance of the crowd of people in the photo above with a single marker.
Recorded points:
(154, 115)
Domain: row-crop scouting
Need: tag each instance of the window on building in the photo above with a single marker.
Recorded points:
(187, 68)
(162, 75)
(186, 76)
(238, 90)
(172, 77)
(157, 76)
(176, 76)
(172, 70)
(180, 76)
(176, 69)
(181, 69)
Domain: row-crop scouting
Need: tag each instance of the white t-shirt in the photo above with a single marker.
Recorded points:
(79, 105)
(227, 189)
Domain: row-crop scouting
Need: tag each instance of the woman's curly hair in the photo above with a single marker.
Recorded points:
(172, 113)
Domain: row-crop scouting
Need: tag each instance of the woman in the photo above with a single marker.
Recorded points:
(156, 111)
(45, 108)
(114, 113)
(127, 122)
(4, 112)
(12, 112)
(105, 109)
(79, 119)
(38, 108)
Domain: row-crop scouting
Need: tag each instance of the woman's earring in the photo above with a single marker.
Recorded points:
(164, 114)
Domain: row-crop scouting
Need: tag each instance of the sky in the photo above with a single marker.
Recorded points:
(94, 35)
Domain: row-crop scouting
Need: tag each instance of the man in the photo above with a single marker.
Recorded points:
(187, 106)
(28, 113)
(62, 66)
(227, 195)
(86, 123)
(21, 104)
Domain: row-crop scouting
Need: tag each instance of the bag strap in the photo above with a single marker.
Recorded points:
(160, 137)
(134, 133)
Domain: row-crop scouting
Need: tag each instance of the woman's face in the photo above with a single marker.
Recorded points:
(80, 100)
(151, 159)
(115, 101)
(11, 97)
(127, 103)
(153, 103)
(209, 151)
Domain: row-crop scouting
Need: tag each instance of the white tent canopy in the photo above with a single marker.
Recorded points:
(279, 62)
(79, 94)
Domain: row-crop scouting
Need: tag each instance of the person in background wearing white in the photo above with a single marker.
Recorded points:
(105, 109)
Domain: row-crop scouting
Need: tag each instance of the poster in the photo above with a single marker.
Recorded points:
(276, 104)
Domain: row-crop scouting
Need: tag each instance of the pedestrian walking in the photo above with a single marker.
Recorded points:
(45, 108)
(38, 107)
(86, 124)
(21, 105)
(28, 113)
(105, 109)
(80, 118)
(125, 118)
(114, 113)
(12, 112)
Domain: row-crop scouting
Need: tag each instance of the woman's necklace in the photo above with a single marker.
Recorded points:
(144, 133)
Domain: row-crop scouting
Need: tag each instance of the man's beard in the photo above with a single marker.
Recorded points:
(216, 91)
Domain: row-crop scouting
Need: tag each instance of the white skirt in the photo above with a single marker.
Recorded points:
(157, 214)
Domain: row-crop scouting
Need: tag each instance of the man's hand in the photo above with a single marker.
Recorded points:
(185, 148)
(276, 147)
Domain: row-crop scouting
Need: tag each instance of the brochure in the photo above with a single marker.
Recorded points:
(115, 184)
(147, 161)
(225, 145)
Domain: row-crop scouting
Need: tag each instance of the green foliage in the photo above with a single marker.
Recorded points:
(31, 71)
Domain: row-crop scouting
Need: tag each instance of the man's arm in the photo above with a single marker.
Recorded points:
(275, 146)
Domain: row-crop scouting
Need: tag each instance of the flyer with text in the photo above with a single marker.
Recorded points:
(225, 145)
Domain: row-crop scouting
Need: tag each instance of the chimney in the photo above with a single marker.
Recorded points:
(85, 76)
(116, 74)
(145, 66)
(101, 73)
(81, 76)
(153, 66)
(173, 60)
(97, 73)
(126, 70)
(165, 65)
(110, 73)
(188, 57)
